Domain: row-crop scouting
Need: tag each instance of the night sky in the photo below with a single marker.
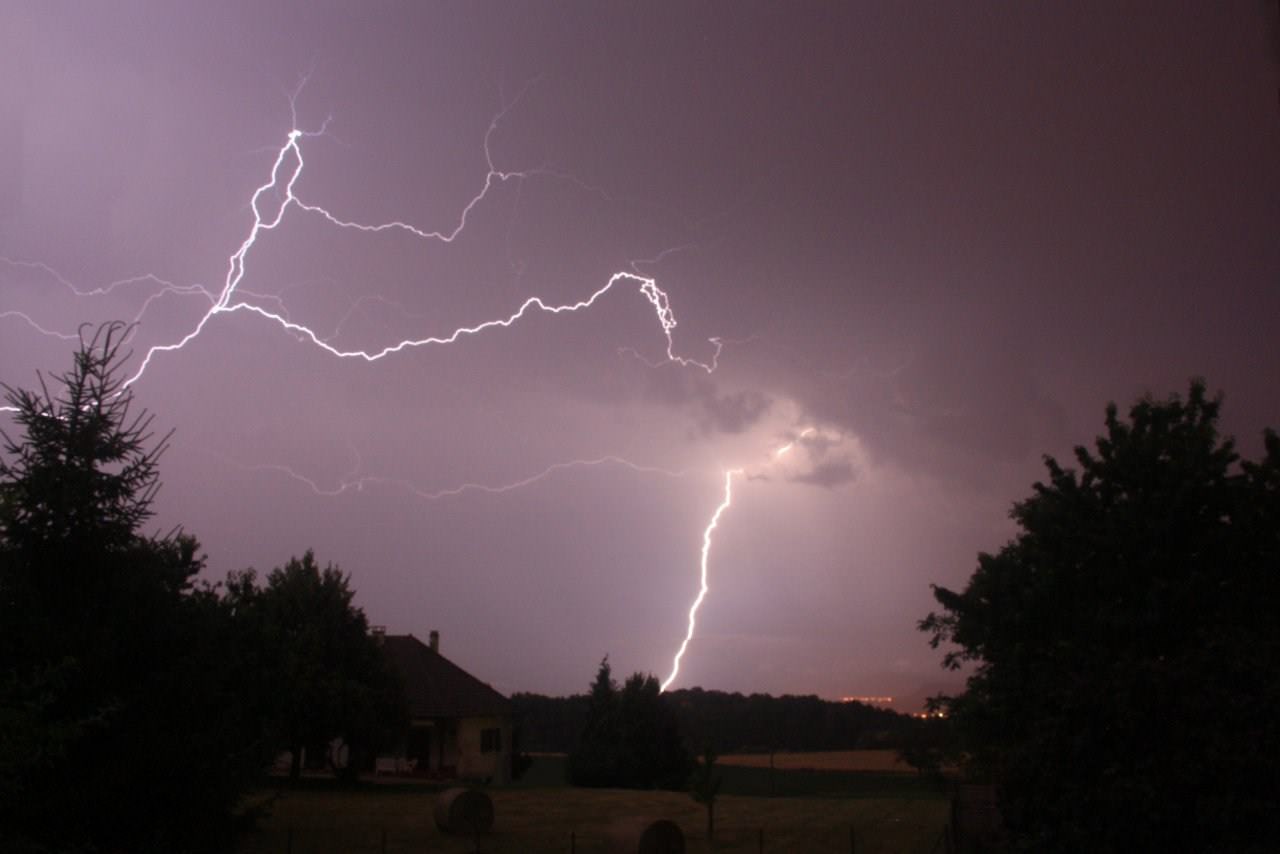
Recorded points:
(942, 236)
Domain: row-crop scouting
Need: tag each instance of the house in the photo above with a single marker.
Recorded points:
(459, 726)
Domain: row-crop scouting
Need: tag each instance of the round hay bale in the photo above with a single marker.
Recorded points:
(463, 810)
(646, 836)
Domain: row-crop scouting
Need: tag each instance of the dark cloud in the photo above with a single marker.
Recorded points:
(730, 413)
(962, 408)
(714, 411)
(829, 474)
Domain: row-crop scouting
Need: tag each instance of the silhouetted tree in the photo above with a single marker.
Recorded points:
(704, 787)
(550, 724)
(630, 739)
(1125, 643)
(594, 759)
(651, 751)
(119, 721)
(322, 675)
(927, 744)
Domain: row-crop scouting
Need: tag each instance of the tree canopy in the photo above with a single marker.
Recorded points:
(1123, 644)
(321, 674)
(630, 739)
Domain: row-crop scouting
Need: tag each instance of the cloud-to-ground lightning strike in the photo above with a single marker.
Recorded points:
(706, 552)
(703, 588)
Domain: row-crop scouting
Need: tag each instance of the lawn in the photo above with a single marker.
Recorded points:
(531, 819)
(841, 774)
(826, 760)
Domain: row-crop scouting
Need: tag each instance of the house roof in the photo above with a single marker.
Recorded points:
(436, 687)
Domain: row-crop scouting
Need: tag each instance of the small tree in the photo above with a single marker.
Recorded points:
(926, 745)
(653, 754)
(631, 738)
(594, 760)
(704, 786)
(322, 674)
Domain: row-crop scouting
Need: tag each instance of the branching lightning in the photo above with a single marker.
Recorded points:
(269, 204)
(285, 172)
(50, 333)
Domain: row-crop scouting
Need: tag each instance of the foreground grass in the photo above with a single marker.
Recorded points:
(398, 820)
(839, 774)
(884, 761)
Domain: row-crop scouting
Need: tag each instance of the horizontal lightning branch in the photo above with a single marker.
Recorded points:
(358, 484)
(285, 172)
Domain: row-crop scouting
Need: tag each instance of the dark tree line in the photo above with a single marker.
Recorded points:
(136, 704)
(1125, 643)
(728, 722)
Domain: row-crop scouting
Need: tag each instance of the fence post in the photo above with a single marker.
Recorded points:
(853, 841)
(384, 840)
(573, 843)
(760, 839)
(288, 840)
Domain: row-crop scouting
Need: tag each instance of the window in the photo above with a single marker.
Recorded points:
(491, 740)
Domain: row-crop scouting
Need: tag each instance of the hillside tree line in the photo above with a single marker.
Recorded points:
(729, 722)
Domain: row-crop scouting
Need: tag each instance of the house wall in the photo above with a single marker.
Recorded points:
(473, 762)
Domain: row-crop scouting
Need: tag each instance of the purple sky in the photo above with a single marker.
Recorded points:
(941, 236)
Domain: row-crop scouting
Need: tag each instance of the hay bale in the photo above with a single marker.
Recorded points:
(646, 836)
(463, 810)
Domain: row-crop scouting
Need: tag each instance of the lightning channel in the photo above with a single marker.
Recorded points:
(49, 333)
(358, 483)
(703, 587)
(162, 287)
(285, 172)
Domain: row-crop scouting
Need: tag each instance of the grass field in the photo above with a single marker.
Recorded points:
(841, 774)
(897, 814)
(828, 760)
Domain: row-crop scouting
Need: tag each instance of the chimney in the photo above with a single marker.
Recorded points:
(379, 634)
(435, 640)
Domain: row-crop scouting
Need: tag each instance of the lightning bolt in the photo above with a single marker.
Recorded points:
(358, 484)
(50, 333)
(703, 588)
(786, 449)
(285, 172)
(163, 288)
(706, 552)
